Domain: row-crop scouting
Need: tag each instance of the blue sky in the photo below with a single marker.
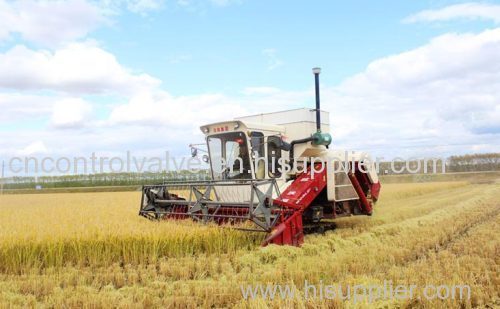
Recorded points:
(222, 48)
(213, 48)
(400, 78)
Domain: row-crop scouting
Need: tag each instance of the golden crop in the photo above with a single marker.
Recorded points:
(93, 250)
(98, 229)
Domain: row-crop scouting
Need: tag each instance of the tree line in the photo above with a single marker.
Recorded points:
(100, 180)
(481, 162)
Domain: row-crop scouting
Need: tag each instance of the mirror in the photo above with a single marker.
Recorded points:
(194, 152)
(205, 158)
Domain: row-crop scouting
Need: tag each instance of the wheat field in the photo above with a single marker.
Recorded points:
(92, 250)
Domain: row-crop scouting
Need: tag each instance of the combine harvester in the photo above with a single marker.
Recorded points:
(275, 170)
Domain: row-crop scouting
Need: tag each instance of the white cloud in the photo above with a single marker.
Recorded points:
(49, 23)
(159, 108)
(162, 109)
(471, 10)
(70, 113)
(198, 4)
(446, 92)
(34, 148)
(439, 99)
(273, 61)
(135, 6)
(144, 7)
(149, 123)
(52, 23)
(17, 107)
(75, 68)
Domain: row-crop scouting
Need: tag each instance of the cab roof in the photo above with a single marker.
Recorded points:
(238, 125)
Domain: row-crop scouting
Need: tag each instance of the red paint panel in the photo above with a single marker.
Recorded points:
(367, 207)
(297, 197)
(304, 189)
(375, 190)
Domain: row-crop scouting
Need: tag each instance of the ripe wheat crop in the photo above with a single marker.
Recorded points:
(98, 229)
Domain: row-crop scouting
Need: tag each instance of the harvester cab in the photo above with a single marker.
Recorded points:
(245, 150)
(276, 171)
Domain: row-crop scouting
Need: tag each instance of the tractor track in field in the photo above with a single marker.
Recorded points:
(433, 256)
(457, 236)
(465, 232)
(414, 252)
(428, 206)
(461, 198)
(427, 202)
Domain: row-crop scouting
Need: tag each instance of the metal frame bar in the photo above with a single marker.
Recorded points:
(261, 210)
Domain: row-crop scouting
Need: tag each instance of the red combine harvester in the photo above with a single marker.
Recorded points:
(275, 170)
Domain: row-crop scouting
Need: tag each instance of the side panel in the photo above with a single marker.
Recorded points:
(352, 158)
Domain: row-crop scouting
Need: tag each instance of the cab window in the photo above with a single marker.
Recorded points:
(258, 156)
(274, 155)
(229, 156)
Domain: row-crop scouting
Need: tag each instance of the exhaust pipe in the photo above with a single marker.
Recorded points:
(319, 138)
(316, 72)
